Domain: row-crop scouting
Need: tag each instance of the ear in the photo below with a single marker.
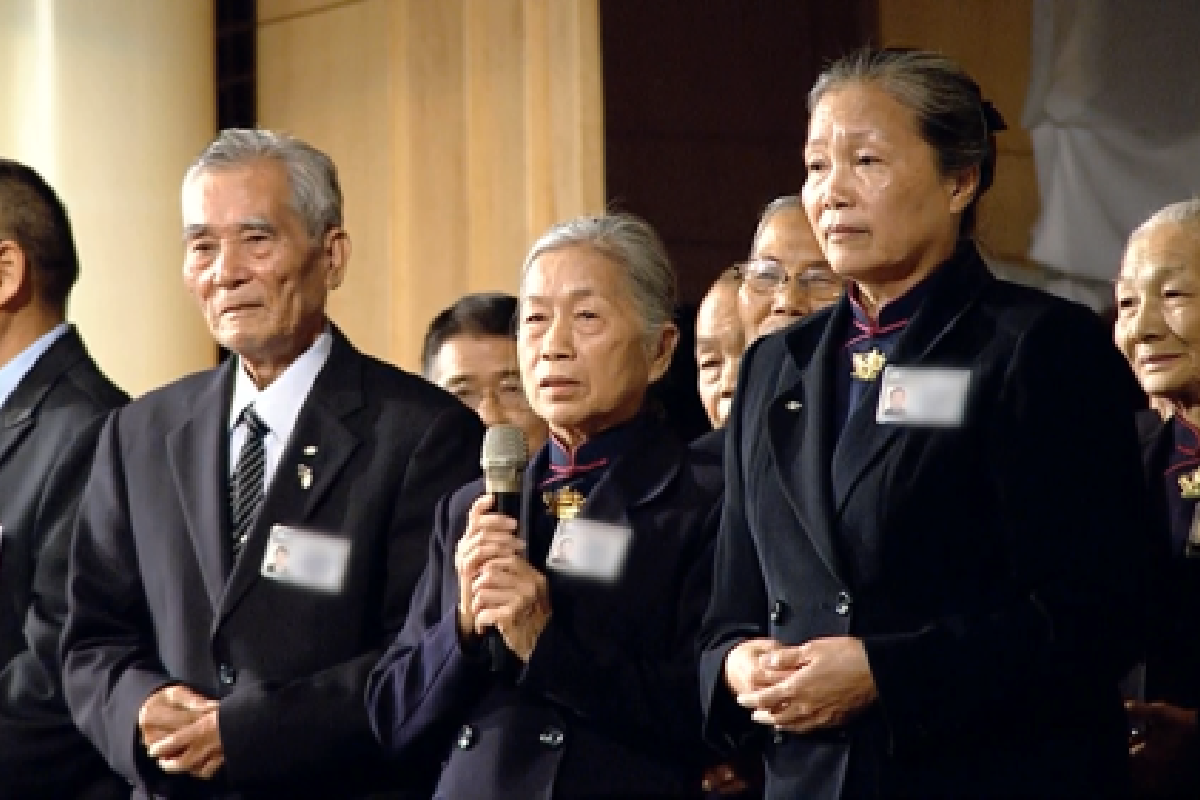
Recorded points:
(963, 187)
(336, 251)
(14, 271)
(663, 350)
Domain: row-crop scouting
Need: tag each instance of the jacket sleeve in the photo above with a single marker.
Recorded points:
(273, 733)
(1065, 467)
(426, 680)
(40, 747)
(109, 661)
(736, 610)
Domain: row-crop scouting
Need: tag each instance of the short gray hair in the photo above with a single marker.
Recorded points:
(316, 194)
(952, 116)
(1185, 213)
(787, 202)
(630, 242)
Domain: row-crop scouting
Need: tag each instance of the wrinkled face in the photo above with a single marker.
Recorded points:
(785, 246)
(720, 341)
(482, 371)
(260, 282)
(582, 343)
(1158, 312)
(880, 208)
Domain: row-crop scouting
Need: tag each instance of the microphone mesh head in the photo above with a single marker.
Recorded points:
(504, 446)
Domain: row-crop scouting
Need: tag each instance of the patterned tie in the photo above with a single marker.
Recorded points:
(246, 485)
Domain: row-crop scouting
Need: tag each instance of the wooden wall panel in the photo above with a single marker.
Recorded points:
(991, 40)
(323, 76)
(463, 128)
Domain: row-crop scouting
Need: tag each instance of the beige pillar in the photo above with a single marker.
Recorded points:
(461, 129)
(110, 100)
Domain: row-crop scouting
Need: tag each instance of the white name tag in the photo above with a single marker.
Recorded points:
(589, 549)
(923, 396)
(308, 559)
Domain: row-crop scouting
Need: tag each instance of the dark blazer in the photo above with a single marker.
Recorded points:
(1171, 672)
(993, 570)
(604, 706)
(154, 599)
(48, 429)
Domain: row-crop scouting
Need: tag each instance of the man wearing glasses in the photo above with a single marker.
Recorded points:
(470, 351)
(786, 276)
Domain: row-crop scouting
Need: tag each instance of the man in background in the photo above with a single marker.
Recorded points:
(53, 400)
(470, 351)
(720, 342)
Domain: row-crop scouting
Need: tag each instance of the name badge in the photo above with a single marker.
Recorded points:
(923, 396)
(311, 560)
(589, 549)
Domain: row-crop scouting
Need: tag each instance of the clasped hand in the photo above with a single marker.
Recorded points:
(497, 586)
(819, 684)
(180, 732)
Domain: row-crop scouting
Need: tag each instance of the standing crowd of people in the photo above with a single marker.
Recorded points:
(931, 548)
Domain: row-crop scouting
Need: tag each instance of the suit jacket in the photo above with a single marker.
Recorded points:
(155, 600)
(993, 570)
(1171, 670)
(48, 429)
(605, 706)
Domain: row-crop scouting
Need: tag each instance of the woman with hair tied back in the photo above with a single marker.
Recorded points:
(936, 599)
(555, 658)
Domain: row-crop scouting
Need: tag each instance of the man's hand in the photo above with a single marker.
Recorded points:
(179, 730)
(820, 684)
(488, 536)
(514, 597)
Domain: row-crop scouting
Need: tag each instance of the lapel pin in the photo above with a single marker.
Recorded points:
(310, 449)
(792, 405)
(306, 475)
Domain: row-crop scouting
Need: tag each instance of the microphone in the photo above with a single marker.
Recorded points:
(503, 459)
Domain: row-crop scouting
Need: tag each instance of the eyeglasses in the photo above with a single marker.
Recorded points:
(767, 276)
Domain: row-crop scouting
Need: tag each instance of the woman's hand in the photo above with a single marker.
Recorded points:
(488, 537)
(820, 684)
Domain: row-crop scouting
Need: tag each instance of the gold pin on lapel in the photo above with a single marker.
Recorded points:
(306, 475)
(1189, 484)
(867, 365)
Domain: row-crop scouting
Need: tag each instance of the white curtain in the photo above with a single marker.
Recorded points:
(1113, 111)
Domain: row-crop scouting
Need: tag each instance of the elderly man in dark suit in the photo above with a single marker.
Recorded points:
(196, 670)
(53, 400)
(594, 696)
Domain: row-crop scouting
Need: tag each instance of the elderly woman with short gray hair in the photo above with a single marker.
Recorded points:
(555, 657)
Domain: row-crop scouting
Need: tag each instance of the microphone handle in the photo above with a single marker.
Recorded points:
(499, 656)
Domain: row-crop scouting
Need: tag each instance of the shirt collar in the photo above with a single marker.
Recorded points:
(279, 404)
(12, 373)
(594, 455)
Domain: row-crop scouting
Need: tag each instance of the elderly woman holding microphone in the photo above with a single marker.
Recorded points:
(598, 592)
(936, 599)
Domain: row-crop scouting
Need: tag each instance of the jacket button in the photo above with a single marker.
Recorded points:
(844, 601)
(551, 737)
(466, 737)
(778, 612)
(226, 674)
(777, 737)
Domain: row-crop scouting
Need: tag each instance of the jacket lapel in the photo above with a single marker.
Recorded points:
(800, 424)
(196, 458)
(636, 478)
(309, 466)
(863, 441)
(18, 413)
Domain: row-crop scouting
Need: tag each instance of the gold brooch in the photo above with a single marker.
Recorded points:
(564, 503)
(867, 366)
(1189, 484)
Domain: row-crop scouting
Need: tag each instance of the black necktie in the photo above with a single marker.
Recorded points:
(246, 485)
